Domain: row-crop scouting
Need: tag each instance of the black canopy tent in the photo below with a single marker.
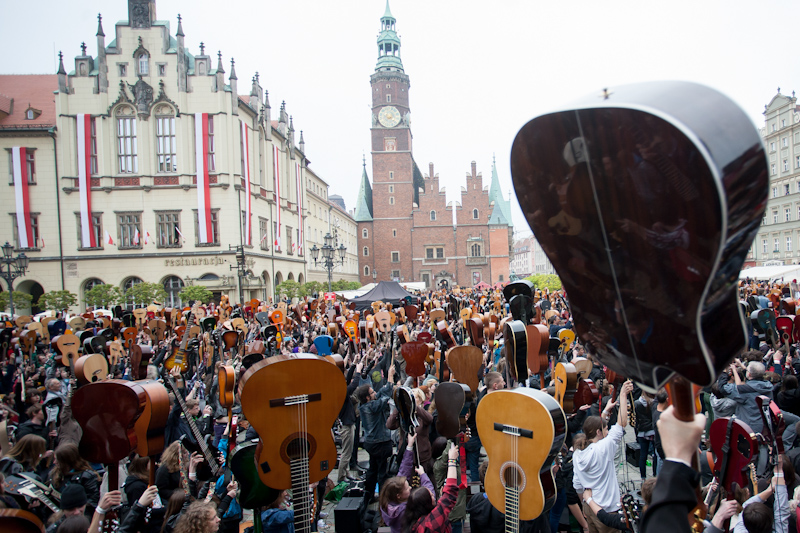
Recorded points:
(385, 291)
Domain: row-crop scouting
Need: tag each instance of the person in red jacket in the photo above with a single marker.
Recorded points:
(421, 515)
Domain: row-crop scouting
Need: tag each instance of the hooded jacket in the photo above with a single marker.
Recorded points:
(393, 514)
(745, 397)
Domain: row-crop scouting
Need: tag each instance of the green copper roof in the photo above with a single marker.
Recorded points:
(364, 201)
(388, 44)
(496, 196)
(497, 217)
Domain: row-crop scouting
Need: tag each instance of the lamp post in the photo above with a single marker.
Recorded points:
(241, 269)
(19, 264)
(329, 251)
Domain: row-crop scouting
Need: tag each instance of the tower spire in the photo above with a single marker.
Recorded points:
(100, 26)
(363, 212)
(388, 44)
(180, 27)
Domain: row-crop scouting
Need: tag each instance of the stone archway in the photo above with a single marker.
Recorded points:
(267, 285)
(301, 279)
(444, 279)
(35, 289)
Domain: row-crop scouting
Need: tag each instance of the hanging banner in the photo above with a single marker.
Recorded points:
(277, 171)
(300, 211)
(88, 239)
(20, 169)
(248, 226)
(205, 233)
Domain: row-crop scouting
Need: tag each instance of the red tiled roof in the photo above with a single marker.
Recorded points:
(34, 90)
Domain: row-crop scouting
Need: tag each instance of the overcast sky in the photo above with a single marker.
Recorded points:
(479, 70)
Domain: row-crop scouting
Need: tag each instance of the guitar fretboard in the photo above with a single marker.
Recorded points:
(212, 463)
(512, 510)
(301, 497)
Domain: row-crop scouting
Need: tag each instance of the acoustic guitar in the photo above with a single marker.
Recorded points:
(465, 364)
(566, 386)
(415, 353)
(253, 494)
(522, 430)
(19, 521)
(686, 230)
(149, 427)
(68, 346)
(91, 368)
(178, 356)
(292, 401)
(516, 349)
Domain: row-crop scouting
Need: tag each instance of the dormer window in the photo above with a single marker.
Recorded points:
(32, 113)
(29, 115)
(144, 65)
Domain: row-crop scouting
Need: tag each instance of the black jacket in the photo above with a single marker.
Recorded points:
(644, 416)
(348, 413)
(673, 499)
(483, 518)
(789, 401)
(29, 428)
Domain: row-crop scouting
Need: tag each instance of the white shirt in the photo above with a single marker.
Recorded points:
(594, 469)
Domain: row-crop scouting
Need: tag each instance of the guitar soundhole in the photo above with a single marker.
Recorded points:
(297, 446)
(513, 476)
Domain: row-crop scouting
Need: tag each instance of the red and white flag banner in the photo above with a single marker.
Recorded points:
(248, 226)
(300, 223)
(136, 237)
(109, 240)
(88, 239)
(205, 234)
(23, 205)
(277, 168)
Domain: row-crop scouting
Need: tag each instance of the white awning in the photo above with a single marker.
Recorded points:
(787, 272)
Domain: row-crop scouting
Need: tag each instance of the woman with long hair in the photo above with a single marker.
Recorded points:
(138, 478)
(396, 490)
(26, 456)
(177, 503)
(70, 467)
(168, 475)
(422, 515)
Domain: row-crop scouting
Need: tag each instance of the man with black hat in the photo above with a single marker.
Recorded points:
(73, 502)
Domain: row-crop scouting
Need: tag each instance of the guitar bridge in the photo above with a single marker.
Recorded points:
(513, 430)
(295, 400)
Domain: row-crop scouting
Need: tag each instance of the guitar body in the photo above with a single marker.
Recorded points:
(742, 450)
(665, 202)
(324, 344)
(91, 368)
(178, 359)
(520, 461)
(566, 384)
(415, 353)
(227, 381)
(516, 349)
(68, 346)
(583, 366)
(265, 390)
(475, 330)
(586, 394)
(108, 426)
(450, 400)
(150, 425)
(253, 493)
(406, 409)
(19, 521)
(785, 326)
(465, 363)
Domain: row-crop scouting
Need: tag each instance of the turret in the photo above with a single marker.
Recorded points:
(234, 81)
(220, 76)
(102, 64)
(181, 66)
(62, 75)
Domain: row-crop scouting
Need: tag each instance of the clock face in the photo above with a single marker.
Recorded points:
(389, 117)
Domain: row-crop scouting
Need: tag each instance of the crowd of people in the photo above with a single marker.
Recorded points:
(46, 475)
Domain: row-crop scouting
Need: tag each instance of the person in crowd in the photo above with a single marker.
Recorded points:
(396, 490)
(29, 454)
(645, 432)
(71, 468)
(425, 515)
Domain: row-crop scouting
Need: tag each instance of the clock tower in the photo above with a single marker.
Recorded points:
(393, 169)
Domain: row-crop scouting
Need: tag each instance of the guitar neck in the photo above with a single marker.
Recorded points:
(512, 510)
(302, 499)
(193, 427)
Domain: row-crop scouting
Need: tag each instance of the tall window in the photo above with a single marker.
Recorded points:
(212, 160)
(93, 146)
(475, 214)
(789, 243)
(366, 251)
(30, 166)
(433, 215)
(364, 233)
(214, 229)
(129, 284)
(97, 229)
(173, 285)
(787, 215)
(475, 250)
(395, 257)
(166, 146)
(34, 221)
(144, 65)
(289, 241)
(777, 245)
(129, 224)
(262, 233)
(126, 140)
(168, 225)
(764, 245)
(774, 217)
(366, 270)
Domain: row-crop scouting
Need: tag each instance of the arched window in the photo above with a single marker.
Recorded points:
(127, 285)
(475, 214)
(366, 251)
(366, 270)
(433, 215)
(173, 285)
(209, 277)
(91, 282)
(365, 233)
(475, 250)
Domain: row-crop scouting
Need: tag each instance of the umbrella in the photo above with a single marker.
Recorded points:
(482, 285)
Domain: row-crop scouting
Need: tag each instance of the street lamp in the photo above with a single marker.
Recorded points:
(19, 264)
(241, 269)
(329, 250)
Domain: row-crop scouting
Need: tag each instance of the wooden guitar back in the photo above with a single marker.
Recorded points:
(465, 363)
(149, 427)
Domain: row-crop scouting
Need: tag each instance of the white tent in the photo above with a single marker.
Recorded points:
(349, 295)
(413, 285)
(786, 272)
